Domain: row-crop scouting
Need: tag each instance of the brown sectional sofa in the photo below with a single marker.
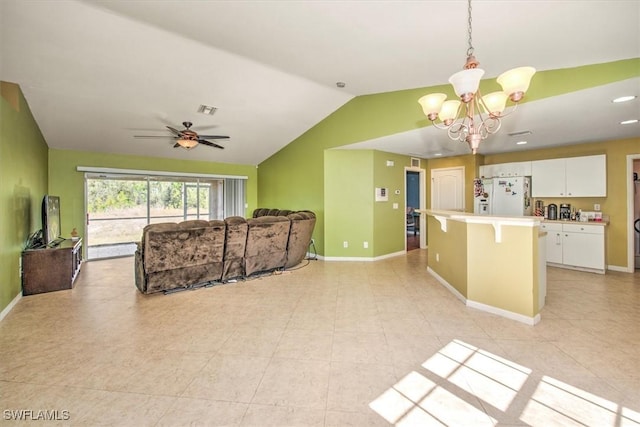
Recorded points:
(174, 256)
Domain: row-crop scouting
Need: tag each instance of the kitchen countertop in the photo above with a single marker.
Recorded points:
(602, 223)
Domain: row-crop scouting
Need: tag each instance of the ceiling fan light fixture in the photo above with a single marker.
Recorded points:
(477, 117)
(187, 143)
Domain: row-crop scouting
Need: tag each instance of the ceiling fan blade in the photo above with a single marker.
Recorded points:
(154, 136)
(175, 131)
(210, 144)
(176, 145)
(213, 136)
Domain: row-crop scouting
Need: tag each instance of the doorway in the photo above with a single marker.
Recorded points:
(635, 218)
(118, 207)
(415, 191)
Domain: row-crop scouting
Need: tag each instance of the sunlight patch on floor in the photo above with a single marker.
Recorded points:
(475, 379)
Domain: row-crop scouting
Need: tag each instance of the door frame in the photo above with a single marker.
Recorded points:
(631, 262)
(422, 183)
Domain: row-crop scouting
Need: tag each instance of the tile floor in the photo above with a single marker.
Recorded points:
(330, 344)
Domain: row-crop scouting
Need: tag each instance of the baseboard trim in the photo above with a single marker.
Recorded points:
(367, 259)
(531, 321)
(446, 284)
(484, 307)
(620, 268)
(10, 306)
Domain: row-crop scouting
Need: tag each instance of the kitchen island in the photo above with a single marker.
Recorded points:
(492, 263)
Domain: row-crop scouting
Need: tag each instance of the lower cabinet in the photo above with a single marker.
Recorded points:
(51, 269)
(576, 245)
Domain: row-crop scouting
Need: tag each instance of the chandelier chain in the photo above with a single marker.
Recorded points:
(470, 49)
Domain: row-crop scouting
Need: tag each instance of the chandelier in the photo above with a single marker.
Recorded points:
(474, 117)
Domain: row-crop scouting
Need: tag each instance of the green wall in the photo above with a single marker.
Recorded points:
(23, 182)
(65, 181)
(350, 180)
(293, 178)
(389, 230)
(349, 202)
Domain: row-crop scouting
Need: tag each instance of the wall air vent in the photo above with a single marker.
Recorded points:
(205, 109)
(415, 163)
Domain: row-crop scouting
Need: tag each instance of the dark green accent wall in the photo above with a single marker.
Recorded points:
(23, 183)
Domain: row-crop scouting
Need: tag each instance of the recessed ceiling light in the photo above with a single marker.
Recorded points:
(625, 98)
(629, 122)
(521, 142)
(438, 154)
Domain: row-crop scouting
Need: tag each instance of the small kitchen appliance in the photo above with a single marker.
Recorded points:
(565, 212)
(552, 212)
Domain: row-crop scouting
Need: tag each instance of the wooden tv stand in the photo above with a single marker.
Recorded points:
(51, 269)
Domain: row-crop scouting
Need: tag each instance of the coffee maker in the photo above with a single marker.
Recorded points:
(565, 212)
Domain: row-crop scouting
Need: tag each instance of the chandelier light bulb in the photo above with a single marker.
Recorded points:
(515, 82)
(431, 104)
(466, 83)
(449, 111)
(495, 103)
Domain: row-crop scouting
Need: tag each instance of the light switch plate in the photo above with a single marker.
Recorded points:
(395, 206)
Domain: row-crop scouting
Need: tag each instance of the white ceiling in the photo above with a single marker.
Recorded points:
(95, 73)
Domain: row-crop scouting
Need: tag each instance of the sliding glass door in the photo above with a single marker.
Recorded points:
(119, 207)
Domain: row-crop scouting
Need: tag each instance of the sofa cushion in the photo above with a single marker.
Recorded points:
(302, 224)
(236, 241)
(171, 246)
(267, 238)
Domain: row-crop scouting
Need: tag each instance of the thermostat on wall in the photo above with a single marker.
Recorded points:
(382, 194)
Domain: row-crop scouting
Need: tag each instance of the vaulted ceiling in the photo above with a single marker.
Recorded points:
(96, 73)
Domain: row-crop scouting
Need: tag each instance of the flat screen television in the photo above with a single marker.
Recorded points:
(51, 220)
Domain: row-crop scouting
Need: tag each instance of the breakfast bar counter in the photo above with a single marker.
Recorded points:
(492, 263)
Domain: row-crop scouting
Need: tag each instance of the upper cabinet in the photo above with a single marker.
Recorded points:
(502, 170)
(571, 177)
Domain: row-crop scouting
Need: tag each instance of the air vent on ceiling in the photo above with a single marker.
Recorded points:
(520, 133)
(205, 109)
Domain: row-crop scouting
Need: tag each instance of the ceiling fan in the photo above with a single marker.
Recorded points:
(187, 138)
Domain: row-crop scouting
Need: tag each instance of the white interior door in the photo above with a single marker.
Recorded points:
(447, 189)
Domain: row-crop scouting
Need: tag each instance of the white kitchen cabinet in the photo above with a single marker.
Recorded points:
(506, 170)
(554, 242)
(586, 176)
(575, 245)
(570, 177)
(548, 178)
(583, 246)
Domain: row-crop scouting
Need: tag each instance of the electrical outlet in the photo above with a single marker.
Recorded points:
(365, 245)
(345, 244)
(437, 257)
(596, 207)
(313, 241)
